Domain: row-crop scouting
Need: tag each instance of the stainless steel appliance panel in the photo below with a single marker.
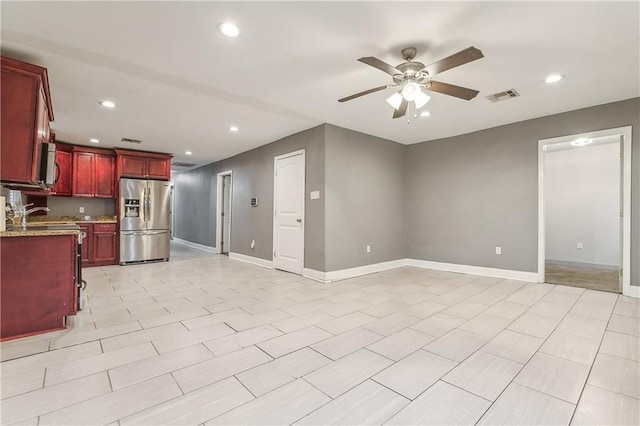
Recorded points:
(132, 211)
(158, 205)
(137, 246)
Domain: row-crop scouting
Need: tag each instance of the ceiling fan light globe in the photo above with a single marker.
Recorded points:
(395, 100)
(410, 91)
(421, 99)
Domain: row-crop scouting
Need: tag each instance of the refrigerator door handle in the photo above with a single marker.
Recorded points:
(146, 203)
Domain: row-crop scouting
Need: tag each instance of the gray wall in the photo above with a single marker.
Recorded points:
(467, 194)
(364, 199)
(68, 206)
(195, 194)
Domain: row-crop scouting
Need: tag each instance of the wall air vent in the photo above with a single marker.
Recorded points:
(503, 96)
(129, 140)
(182, 165)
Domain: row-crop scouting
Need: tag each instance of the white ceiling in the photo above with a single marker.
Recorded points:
(179, 84)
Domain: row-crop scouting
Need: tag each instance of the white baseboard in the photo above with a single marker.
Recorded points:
(312, 274)
(634, 291)
(344, 274)
(196, 246)
(250, 259)
(475, 270)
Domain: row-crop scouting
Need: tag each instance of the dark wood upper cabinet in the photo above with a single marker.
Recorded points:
(93, 173)
(144, 165)
(62, 187)
(26, 113)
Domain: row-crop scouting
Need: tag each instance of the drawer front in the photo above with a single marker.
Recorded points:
(104, 227)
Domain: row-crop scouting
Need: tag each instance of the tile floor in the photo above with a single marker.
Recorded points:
(207, 340)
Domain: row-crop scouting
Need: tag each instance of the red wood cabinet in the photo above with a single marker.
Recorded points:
(87, 239)
(93, 173)
(62, 187)
(38, 289)
(99, 244)
(146, 165)
(26, 113)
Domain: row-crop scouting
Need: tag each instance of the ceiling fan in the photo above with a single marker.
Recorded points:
(412, 77)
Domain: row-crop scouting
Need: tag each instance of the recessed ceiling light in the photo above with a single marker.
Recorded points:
(553, 78)
(188, 152)
(108, 104)
(94, 140)
(233, 128)
(581, 142)
(229, 29)
(425, 114)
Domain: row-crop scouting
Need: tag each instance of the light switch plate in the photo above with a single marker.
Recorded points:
(315, 195)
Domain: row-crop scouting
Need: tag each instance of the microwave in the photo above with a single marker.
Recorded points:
(49, 169)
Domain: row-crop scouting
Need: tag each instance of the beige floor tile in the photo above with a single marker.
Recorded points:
(347, 322)
(627, 309)
(569, 346)
(465, 309)
(415, 297)
(508, 310)
(91, 335)
(560, 378)
(338, 377)
(346, 343)
(213, 319)
(583, 326)
(442, 404)
(305, 308)
(616, 374)
(243, 339)
(534, 325)
(549, 310)
(391, 324)
(116, 405)
(291, 342)
(400, 344)
(415, 373)
(195, 407)
(284, 405)
(514, 346)
(592, 310)
(485, 325)
(257, 320)
(384, 309)
(601, 407)
(483, 374)
(621, 345)
(366, 404)
(561, 297)
(137, 337)
(624, 325)
(487, 297)
(438, 324)
(190, 338)
(213, 370)
(83, 367)
(519, 405)
(28, 405)
(456, 345)
(157, 365)
(8, 352)
(345, 308)
(301, 321)
(18, 381)
(425, 309)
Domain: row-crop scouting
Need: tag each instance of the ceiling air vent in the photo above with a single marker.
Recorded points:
(503, 96)
(183, 165)
(129, 140)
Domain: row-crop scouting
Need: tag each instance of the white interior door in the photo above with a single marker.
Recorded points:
(288, 229)
(226, 213)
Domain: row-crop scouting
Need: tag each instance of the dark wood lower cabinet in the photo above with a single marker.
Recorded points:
(38, 284)
(99, 245)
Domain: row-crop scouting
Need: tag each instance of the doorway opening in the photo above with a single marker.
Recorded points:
(224, 212)
(584, 193)
(288, 215)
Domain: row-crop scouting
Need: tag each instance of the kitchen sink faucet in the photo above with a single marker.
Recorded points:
(23, 212)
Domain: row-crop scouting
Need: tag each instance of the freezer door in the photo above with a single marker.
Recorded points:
(158, 207)
(136, 246)
(132, 197)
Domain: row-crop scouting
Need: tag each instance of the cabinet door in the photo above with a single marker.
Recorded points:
(104, 247)
(62, 188)
(87, 242)
(133, 166)
(83, 174)
(104, 176)
(159, 168)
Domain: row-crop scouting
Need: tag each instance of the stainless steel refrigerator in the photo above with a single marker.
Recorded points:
(145, 218)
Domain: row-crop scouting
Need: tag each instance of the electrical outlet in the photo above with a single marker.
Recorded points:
(81, 209)
(253, 244)
(579, 245)
(368, 249)
(498, 250)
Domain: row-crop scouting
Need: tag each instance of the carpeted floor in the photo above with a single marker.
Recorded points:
(583, 277)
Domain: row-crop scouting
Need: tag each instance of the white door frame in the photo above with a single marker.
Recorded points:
(275, 198)
(219, 220)
(626, 201)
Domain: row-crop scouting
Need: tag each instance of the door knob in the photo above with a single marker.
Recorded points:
(299, 220)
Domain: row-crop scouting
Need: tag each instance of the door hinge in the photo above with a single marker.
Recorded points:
(621, 213)
(222, 214)
(274, 254)
(620, 271)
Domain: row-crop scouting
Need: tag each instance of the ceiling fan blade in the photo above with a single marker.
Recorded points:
(382, 66)
(366, 92)
(462, 57)
(402, 110)
(452, 90)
